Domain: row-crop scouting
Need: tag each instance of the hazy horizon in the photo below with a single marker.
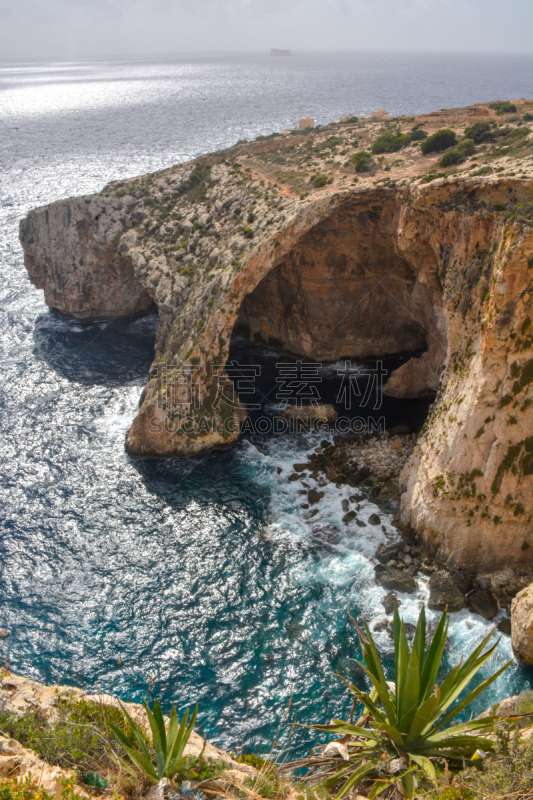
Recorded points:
(31, 29)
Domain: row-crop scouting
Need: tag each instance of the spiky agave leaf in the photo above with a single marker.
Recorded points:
(182, 736)
(158, 738)
(168, 744)
(414, 718)
(138, 755)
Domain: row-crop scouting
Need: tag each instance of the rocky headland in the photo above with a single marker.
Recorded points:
(324, 244)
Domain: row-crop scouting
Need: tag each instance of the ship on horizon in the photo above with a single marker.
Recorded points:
(274, 51)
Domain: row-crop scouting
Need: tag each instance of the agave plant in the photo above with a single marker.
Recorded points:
(406, 727)
(168, 744)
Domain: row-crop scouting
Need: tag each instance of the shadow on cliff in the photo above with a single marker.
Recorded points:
(104, 353)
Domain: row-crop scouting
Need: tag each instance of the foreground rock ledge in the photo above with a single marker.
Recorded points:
(20, 695)
(347, 271)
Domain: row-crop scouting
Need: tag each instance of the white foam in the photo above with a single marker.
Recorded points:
(347, 559)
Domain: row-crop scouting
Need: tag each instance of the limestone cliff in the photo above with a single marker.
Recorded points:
(284, 240)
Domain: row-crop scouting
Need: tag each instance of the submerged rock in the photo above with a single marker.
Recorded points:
(313, 495)
(505, 626)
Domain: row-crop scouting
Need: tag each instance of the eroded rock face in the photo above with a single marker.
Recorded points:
(343, 289)
(347, 272)
(70, 256)
(522, 625)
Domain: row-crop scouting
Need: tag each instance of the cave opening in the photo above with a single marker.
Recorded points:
(259, 374)
(345, 298)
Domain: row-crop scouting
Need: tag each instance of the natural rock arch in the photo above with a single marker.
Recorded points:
(445, 266)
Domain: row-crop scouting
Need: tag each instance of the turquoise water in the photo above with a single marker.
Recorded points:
(202, 580)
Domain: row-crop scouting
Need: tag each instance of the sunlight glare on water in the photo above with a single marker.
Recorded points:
(202, 579)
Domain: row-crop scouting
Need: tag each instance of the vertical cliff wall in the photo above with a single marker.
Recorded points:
(69, 253)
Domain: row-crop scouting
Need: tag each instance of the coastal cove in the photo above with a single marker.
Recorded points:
(203, 579)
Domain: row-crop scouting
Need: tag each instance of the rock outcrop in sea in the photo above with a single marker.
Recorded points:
(284, 240)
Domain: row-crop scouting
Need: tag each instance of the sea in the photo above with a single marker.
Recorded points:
(200, 581)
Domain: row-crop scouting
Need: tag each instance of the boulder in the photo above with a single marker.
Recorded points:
(504, 626)
(332, 474)
(483, 603)
(374, 519)
(313, 495)
(389, 601)
(349, 516)
(323, 413)
(517, 705)
(385, 552)
(395, 579)
(522, 625)
(443, 593)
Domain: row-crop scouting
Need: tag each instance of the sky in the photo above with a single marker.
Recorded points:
(84, 28)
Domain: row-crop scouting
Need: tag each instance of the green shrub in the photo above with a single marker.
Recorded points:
(256, 761)
(262, 138)
(29, 790)
(406, 730)
(78, 739)
(453, 156)
(527, 117)
(504, 107)
(361, 160)
(393, 140)
(507, 772)
(457, 154)
(467, 146)
(417, 134)
(321, 181)
(479, 132)
(523, 212)
(248, 233)
(432, 176)
(390, 142)
(441, 140)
